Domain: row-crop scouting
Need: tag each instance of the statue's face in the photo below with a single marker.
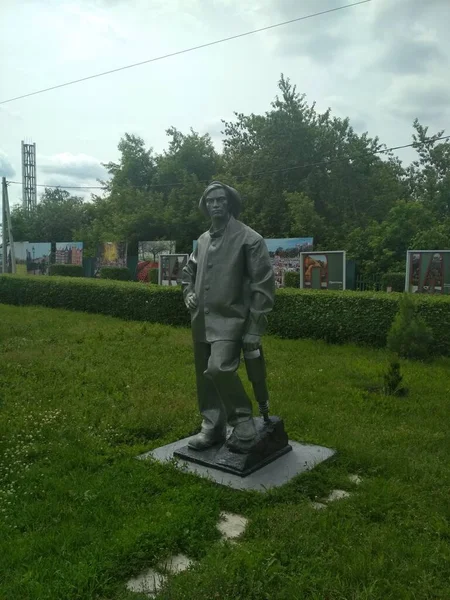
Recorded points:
(217, 203)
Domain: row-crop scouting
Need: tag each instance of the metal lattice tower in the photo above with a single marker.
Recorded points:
(29, 195)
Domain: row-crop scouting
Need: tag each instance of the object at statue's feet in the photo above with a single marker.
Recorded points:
(270, 442)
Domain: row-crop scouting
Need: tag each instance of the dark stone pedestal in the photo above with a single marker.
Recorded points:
(270, 443)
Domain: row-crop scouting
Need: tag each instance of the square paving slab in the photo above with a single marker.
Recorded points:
(302, 457)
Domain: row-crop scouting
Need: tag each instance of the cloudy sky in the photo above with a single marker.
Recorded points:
(382, 64)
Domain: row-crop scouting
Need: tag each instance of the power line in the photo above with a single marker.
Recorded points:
(282, 170)
(186, 50)
(65, 187)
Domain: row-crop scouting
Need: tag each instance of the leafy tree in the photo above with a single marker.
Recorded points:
(429, 176)
(190, 162)
(436, 237)
(295, 149)
(187, 155)
(136, 167)
(300, 173)
(305, 221)
(155, 197)
(381, 247)
(56, 217)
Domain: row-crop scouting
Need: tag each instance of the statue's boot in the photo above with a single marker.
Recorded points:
(206, 439)
(243, 437)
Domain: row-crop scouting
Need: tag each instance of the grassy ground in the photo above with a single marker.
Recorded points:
(82, 395)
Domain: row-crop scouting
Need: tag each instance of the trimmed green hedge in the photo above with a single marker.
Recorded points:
(66, 270)
(338, 317)
(117, 273)
(123, 299)
(353, 317)
(292, 279)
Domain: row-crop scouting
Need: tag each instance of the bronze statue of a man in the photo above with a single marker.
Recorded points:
(228, 285)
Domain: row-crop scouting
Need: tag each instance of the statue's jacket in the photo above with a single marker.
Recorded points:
(232, 276)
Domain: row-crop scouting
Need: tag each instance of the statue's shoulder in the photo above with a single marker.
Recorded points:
(251, 236)
(204, 236)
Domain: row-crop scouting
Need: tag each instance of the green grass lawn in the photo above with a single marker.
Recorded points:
(82, 395)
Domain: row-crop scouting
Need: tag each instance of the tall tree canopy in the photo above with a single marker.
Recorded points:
(56, 217)
(300, 172)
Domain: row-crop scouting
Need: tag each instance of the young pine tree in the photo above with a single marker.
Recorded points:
(392, 384)
(409, 335)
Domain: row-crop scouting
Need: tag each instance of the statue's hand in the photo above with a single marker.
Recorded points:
(191, 301)
(251, 342)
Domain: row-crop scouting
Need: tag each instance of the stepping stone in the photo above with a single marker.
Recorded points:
(176, 564)
(318, 505)
(149, 582)
(231, 526)
(337, 495)
(356, 479)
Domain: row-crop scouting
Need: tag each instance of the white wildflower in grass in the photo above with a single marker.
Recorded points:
(16, 456)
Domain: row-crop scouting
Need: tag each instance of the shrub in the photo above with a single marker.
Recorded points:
(291, 279)
(152, 276)
(396, 281)
(409, 335)
(118, 273)
(393, 379)
(66, 270)
(334, 316)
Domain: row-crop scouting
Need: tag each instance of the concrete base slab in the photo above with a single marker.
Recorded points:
(303, 457)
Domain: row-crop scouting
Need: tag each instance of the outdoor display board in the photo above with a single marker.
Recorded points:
(32, 257)
(111, 254)
(20, 255)
(284, 254)
(323, 270)
(171, 267)
(69, 253)
(148, 256)
(427, 271)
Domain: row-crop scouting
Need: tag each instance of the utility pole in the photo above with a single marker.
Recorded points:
(4, 247)
(7, 231)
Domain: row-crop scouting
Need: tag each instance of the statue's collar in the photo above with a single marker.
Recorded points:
(220, 232)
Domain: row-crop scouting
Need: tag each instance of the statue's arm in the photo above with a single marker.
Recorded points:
(262, 287)
(188, 278)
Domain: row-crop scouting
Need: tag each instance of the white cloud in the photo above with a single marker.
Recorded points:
(214, 126)
(9, 113)
(6, 168)
(72, 167)
(92, 31)
(381, 64)
(409, 97)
